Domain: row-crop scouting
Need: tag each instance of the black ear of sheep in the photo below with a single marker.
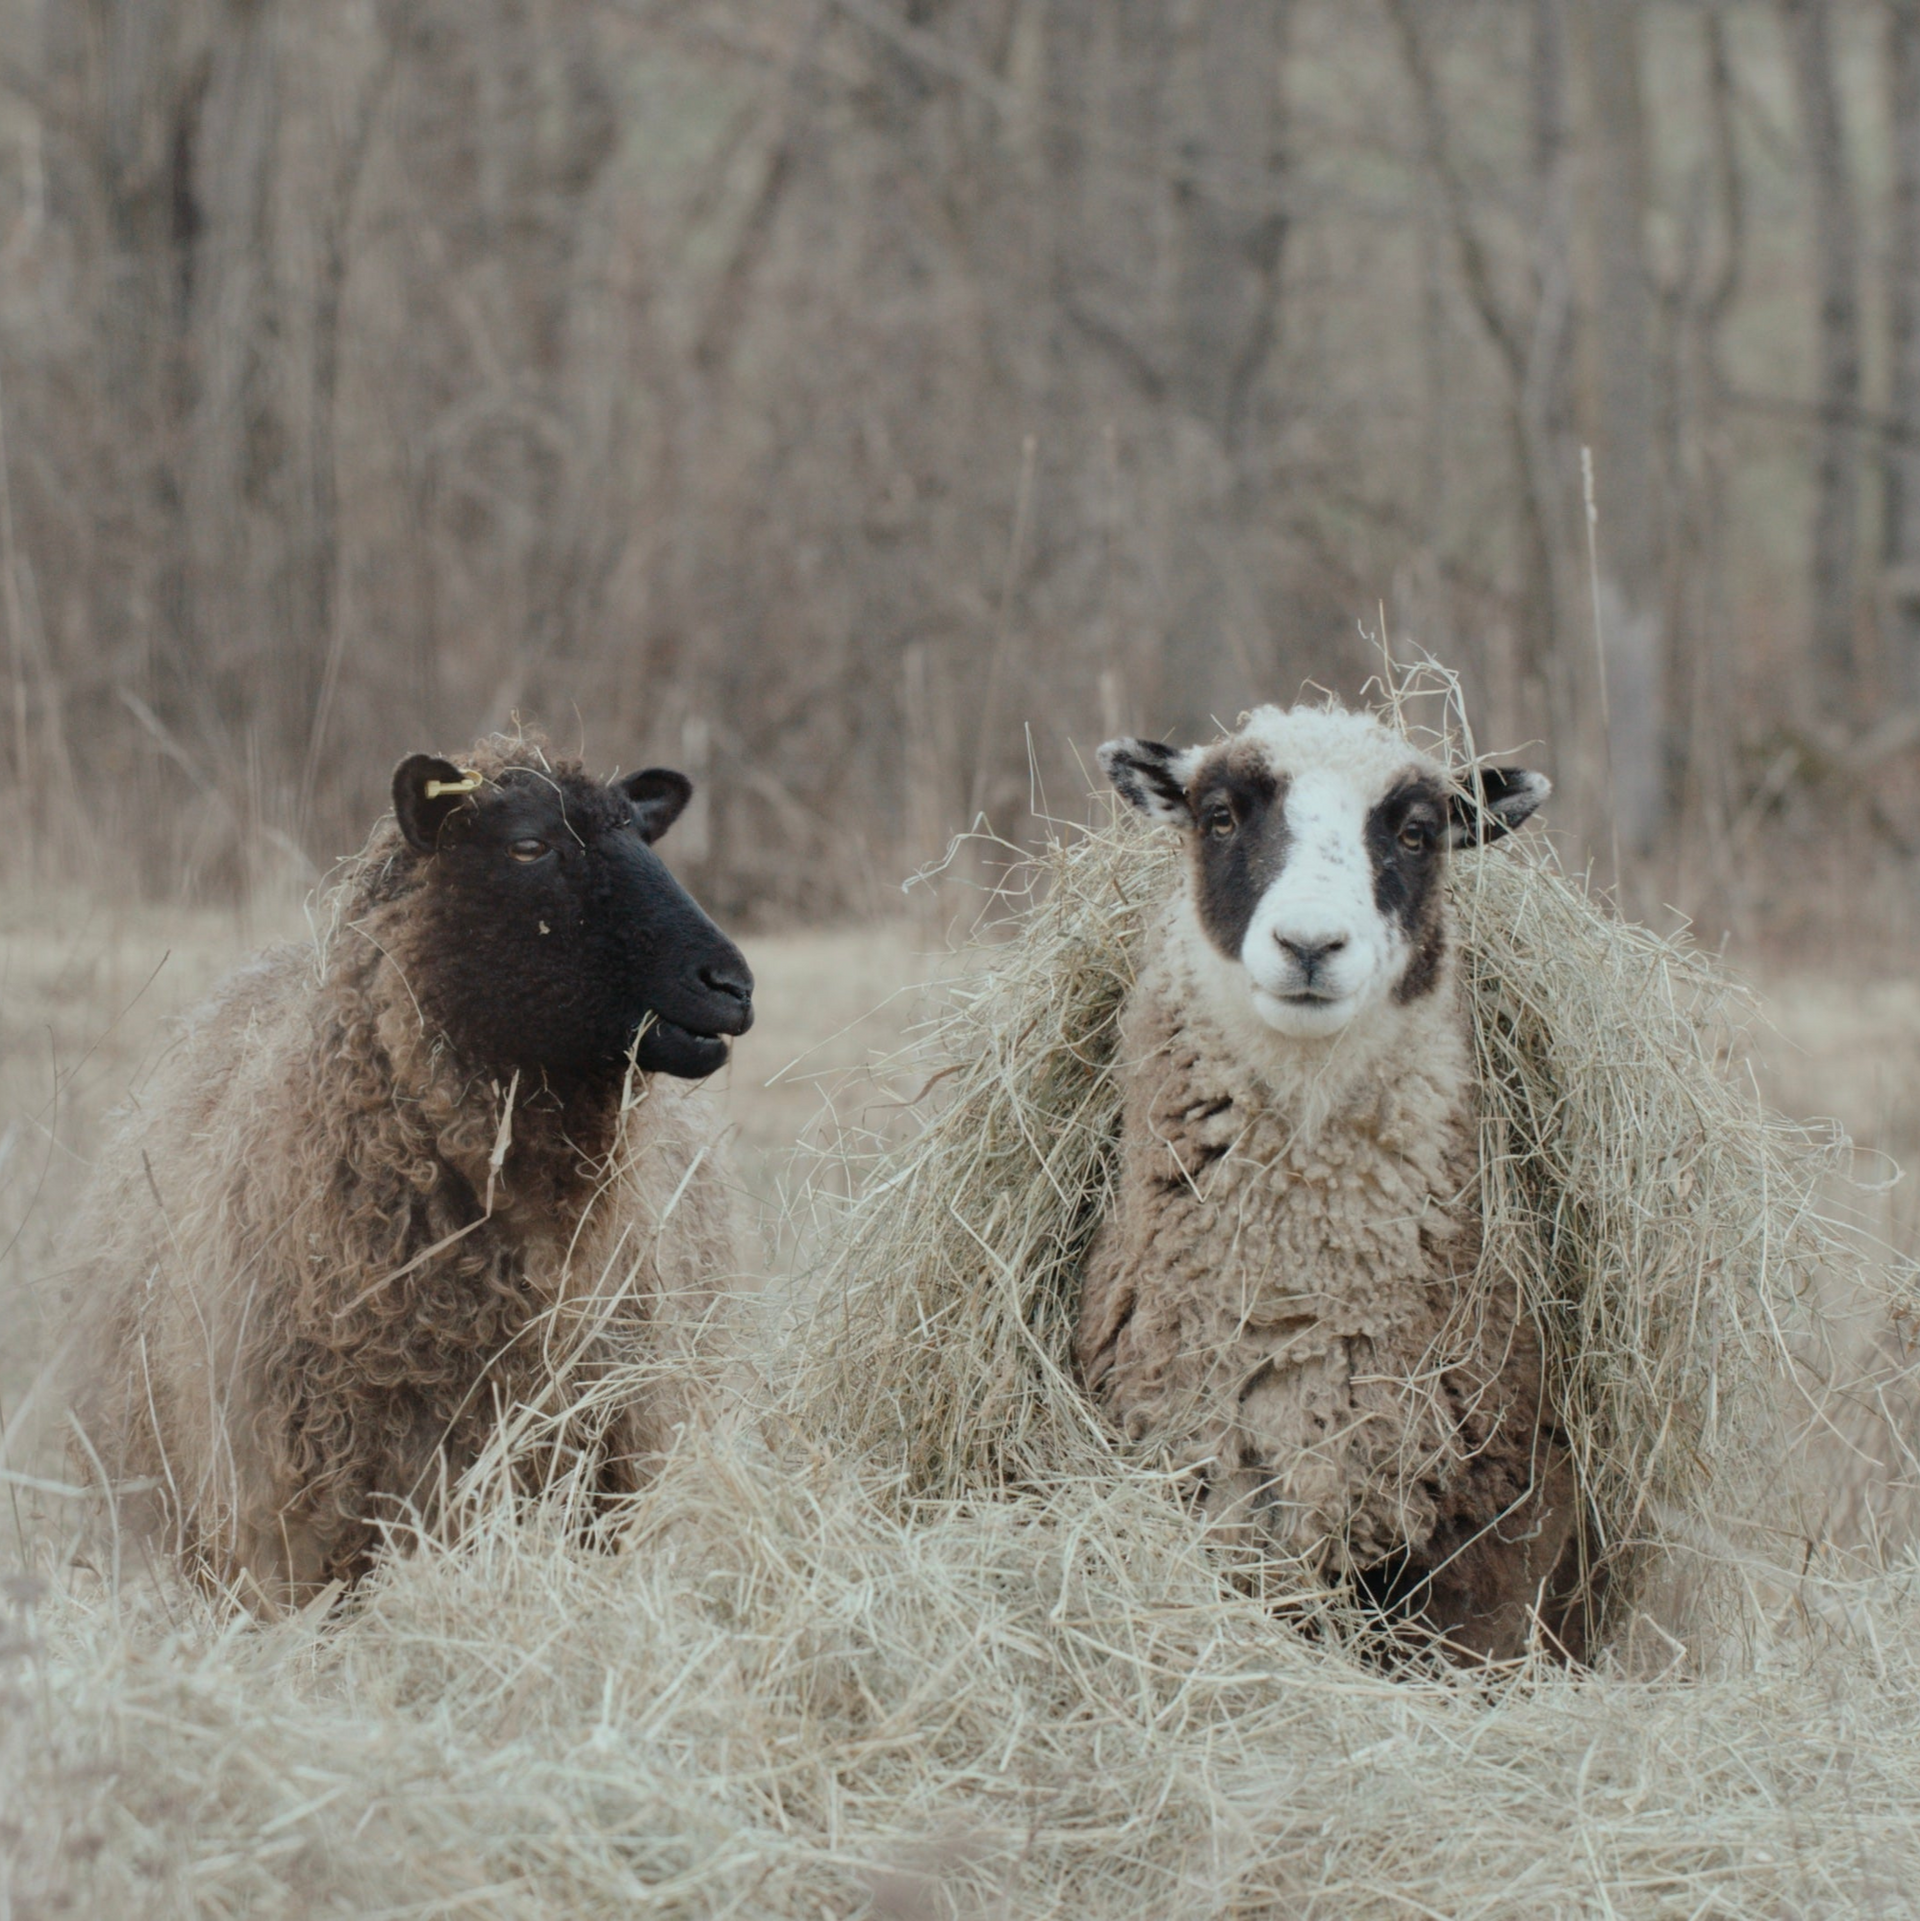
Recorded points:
(1148, 773)
(426, 789)
(657, 796)
(1502, 799)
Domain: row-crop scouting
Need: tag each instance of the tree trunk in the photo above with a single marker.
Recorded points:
(1518, 341)
(1547, 408)
(1229, 228)
(1714, 246)
(1836, 252)
(125, 79)
(1622, 415)
(1901, 531)
(1229, 173)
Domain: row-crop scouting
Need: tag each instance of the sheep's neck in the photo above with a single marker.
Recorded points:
(526, 1147)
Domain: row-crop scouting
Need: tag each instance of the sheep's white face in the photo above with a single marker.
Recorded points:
(1318, 843)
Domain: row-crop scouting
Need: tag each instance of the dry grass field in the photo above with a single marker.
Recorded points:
(787, 1699)
(868, 407)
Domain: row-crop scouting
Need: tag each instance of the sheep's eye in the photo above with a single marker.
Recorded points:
(1416, 837)
(1218, 822)
(525, 850)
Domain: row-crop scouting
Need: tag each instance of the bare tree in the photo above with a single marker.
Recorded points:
(1528, 336)
(1229, 183)
(1621, 416)
(875, 398)
(1900, 543)
(1700, 302)
(1836, 255)
(1163, 216)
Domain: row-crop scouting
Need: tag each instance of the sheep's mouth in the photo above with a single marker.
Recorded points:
(1304, 1012)
(1304, 999)
(684, 1052)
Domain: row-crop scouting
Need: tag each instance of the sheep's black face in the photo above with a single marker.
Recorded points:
(550, 933)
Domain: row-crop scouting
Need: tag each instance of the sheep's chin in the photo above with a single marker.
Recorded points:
(1305, 1020)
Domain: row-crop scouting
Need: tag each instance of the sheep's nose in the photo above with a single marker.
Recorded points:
(1308, 954)
(727, 978)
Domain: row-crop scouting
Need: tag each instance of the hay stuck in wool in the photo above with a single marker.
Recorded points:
(1666, 1231)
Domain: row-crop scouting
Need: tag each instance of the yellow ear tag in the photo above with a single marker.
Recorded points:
(467, 782)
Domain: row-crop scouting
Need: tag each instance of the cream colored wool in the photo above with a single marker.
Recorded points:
(1282, 1302)
(1247, 1238)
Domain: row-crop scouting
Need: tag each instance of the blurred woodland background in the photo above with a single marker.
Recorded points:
(872, 404)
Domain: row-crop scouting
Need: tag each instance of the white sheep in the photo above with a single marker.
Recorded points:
(1279, 1298)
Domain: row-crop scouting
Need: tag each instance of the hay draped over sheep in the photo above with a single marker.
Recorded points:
(928, 1644)
(1665, 1232)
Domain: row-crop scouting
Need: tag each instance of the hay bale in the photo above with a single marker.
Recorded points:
(1665, 1230)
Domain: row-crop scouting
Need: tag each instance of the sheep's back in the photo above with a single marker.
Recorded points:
(164, 1289)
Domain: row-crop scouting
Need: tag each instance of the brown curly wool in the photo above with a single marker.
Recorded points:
(332, 1255)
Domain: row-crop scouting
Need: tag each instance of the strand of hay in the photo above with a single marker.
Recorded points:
(1664, 1228)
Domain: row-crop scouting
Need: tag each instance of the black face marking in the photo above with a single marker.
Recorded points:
(1407, 839)
(1502, 798)
(548, 932)
(1240, 841)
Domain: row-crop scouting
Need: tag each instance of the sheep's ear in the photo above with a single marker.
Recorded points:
(426, 789)
(1148, 773)
(657, 795)
(1503, 797)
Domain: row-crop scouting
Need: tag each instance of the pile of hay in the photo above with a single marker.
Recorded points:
(787, 1698)
(1665, 1229)
(939, 1333)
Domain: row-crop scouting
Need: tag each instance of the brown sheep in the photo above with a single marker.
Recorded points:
(441, 1169)
(1279, 1298)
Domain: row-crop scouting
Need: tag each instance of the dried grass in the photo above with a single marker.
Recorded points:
(940, 1334)
(918, 1643)
(788, 1698)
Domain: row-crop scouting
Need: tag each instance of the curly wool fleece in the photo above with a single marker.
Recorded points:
(328, 1261)
(1283, 1302)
